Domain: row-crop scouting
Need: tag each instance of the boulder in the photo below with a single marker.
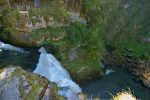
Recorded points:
(18, 84)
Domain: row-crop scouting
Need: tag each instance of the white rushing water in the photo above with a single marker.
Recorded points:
(108, 71)
(49, 67)
(4, 46)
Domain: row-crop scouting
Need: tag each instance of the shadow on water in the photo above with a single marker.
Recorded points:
(110, 84)
(115, 82)
(27, 61)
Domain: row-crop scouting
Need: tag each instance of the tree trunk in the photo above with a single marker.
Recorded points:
(66, 3)
(36, 3)
(8, 2)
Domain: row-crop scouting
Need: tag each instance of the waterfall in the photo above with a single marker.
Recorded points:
(108, 71)
(49, 67)
(4, 46)
(105, 66)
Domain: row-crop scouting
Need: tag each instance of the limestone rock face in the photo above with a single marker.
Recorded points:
(146, 79)
(145, 40)
(17, 84)
(9, 86)
(139, 68)
(75, 17)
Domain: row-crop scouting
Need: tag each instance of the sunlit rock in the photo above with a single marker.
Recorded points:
(17, 84)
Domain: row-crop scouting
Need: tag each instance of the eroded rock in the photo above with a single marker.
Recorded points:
(146, 79)
(18, 84)
(139, 68)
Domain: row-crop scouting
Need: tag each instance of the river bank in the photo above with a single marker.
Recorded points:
(138, 67)
(111, 84)
(113, 81)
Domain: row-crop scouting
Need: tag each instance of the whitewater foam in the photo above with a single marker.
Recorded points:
(4, 46)
(108, 71)
(49, 67)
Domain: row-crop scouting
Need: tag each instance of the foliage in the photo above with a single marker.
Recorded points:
(90, 6)
(90, 35)
(93, 12)
(55, 10)
(85, 38)
(9, 19)
(77, 32)
(3, 1)
(126, 27)
(49, 32)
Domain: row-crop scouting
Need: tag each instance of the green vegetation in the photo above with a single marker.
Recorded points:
(42, 83)
(80, 45)
(55, 9)
(79, 39)
(122, 26)
(126, 26)
(9, 19)
(83, 40)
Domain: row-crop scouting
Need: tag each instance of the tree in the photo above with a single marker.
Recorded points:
(5, 2)
(36, 3)
(66, 3)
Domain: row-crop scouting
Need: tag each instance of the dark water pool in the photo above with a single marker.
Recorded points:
(104, 87)
(28, 61)
(116, 82)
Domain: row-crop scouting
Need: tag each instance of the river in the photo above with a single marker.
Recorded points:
(115, 82)
(105, 87)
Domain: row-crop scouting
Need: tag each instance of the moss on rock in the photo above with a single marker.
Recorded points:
(29, 86)
(75, 36)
